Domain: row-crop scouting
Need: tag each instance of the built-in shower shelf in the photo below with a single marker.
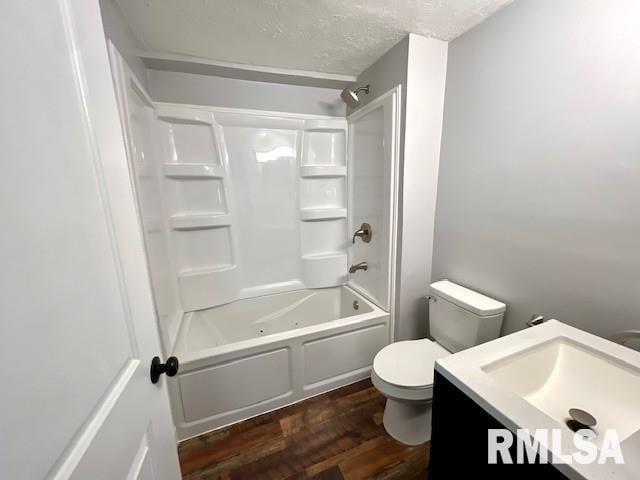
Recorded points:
(200, 221)
(324, 270)
(315, 214)
(193, 170)
(325, 125)
(206, 270)
(184, 114)
(325, 256)
(318, 171)
(202, 287)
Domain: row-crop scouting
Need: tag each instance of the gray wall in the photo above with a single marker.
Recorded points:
(418, 64)
(387, 72)
(539, 188)
(196, 89)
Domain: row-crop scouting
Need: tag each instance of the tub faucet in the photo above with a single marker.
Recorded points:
(358, 266)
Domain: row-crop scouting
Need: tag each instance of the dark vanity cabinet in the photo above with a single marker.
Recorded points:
(459, 441)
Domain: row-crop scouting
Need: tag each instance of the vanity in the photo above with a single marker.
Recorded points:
(530, 380)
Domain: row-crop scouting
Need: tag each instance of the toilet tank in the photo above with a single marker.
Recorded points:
(460, 318)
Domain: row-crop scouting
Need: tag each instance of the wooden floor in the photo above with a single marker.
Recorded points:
(337, 435)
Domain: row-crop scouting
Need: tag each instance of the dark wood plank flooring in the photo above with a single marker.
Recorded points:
(334, 436)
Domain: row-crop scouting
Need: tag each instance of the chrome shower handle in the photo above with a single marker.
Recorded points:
(364, 232)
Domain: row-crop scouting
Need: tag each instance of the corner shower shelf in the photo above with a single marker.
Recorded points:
(324, 256)
(313, 214)
(193, 170)
(324, 270)
(202, 287)
(200, 221)
(318, 171)
(185, 114)
(207, 270)
(325, 125)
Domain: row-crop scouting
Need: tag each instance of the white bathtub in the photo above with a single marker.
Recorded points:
(252, 356)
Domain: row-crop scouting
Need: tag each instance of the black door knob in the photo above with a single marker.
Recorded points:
(158, 368)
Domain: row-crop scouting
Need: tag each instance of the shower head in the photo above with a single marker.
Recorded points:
(350, 97)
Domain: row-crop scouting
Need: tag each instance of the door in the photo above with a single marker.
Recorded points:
(78, 326)
(373, 144)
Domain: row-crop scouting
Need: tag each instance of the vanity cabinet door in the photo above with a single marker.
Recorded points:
(459, 441)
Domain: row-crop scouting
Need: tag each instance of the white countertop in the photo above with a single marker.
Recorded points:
(465, 370)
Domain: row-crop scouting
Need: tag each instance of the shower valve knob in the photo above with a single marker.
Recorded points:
(158, 368)
(364, 232)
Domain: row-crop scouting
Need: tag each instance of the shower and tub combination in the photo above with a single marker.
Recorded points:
(270, 245)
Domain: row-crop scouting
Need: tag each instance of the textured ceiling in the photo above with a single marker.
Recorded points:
(332, 36)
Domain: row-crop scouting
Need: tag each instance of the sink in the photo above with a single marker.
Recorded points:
(530, 379)
(560, 374)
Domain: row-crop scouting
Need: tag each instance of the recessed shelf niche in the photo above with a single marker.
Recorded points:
(193, 170)
(315, 214)
(323, 203)
(196, 189)
(200, 221)
(323, 171)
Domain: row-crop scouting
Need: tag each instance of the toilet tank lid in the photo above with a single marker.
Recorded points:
(468, 299)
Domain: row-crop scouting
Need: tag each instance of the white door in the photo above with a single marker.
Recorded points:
(78, 326)
(373, 153)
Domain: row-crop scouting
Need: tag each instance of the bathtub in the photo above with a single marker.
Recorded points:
(255, 355)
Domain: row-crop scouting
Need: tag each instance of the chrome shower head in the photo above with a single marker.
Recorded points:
(350, 97)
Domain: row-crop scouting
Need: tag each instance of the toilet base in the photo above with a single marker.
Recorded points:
(409, 423)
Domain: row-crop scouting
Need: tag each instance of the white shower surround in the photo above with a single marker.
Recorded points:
(254, 209)
(256, 201)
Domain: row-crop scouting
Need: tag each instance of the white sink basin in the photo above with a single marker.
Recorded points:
(561, 374)
(530, 379)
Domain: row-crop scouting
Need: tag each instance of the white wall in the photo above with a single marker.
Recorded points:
(213, 91)
(116, 30)
(195, 89)
(538, 197)
(427, 64)
(418, 64)
(372, 142)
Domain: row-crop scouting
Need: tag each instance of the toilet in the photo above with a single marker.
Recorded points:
(459, 318)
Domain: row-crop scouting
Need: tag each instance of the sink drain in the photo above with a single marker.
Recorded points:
(580, 420)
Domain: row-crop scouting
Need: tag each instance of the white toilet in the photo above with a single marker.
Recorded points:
(459, 318)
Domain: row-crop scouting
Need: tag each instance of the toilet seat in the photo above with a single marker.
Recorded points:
(408, 365)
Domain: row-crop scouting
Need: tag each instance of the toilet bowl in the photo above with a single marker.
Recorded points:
(402, 372)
